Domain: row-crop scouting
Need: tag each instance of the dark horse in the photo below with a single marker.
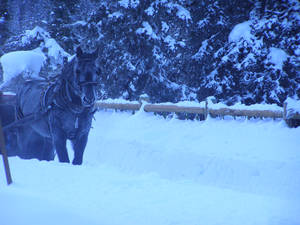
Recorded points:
(61, 109)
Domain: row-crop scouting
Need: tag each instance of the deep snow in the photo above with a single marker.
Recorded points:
(143, 169)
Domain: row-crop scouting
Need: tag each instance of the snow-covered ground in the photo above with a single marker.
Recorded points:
(142, 169)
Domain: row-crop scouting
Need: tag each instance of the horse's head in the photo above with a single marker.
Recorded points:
(85, 77)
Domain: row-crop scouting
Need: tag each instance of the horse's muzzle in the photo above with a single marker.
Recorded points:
(87, 101)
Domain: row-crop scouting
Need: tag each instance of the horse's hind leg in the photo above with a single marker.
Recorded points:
(78, 147)
(27, 143)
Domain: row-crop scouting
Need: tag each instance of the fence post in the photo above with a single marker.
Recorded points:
(144, 98)
(284, 111)
(206, 109)
(4, 156)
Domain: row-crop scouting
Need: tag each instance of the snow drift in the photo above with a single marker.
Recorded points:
(141, 169)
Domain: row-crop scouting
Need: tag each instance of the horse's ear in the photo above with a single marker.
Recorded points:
(79, 51)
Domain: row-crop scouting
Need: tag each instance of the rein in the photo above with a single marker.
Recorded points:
(77, 90)
(25, 120)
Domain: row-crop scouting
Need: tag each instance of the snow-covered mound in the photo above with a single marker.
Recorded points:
(29, 63)
(53, 51)
(14, 63)
(142, 169)
(293, 107)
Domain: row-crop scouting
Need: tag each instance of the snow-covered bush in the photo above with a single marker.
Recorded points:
(259, 63)
(45, 59)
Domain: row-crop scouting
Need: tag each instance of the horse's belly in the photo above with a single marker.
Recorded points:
(71, 126)
(74, 125)
(41, 127)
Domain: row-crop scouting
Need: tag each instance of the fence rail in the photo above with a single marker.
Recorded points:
(198, 110)
(246, 113)
(118, 106)
(173, 108)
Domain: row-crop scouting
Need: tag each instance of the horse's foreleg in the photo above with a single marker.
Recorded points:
(59, 139)
(59, 143)
(48, 152)
(78, 147)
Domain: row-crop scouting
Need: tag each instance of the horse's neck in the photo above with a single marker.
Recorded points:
(66, 99)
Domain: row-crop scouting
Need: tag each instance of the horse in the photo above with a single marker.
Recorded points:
(60, 109)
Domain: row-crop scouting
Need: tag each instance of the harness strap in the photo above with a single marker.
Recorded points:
(68, 92)
(63, 100)
(48, 94)
(25, 120)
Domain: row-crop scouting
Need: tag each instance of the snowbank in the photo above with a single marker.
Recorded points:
(141, 169)
(189, 150)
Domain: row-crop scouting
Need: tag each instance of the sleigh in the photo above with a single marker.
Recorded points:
(7, 108)
(7, 116)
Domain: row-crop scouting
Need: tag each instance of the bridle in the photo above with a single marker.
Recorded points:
(85, 83)
(77, 90)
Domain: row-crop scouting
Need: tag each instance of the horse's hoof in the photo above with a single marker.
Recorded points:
(77, 162)
(64, 161)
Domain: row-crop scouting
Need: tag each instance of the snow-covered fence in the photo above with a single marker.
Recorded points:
(289, 112)
(118, 106)
(246, 113)
(204, 108)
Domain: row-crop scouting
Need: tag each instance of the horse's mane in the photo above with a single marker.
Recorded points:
(68, 68)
